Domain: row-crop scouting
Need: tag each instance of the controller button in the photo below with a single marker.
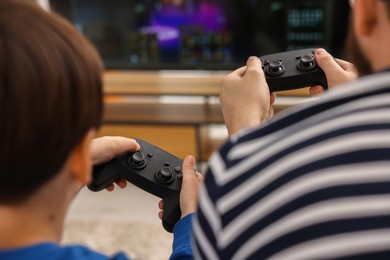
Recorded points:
(167, 164)
(164, 175)
(177, 169)
(275, 68)
(306, 63)
(137, 160)
(179, 177)
(150, 155)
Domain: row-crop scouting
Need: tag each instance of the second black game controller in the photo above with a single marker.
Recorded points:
(292, 70)
(151, 169)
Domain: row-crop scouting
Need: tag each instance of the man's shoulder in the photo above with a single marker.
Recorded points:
(369, 92)
(356, 111)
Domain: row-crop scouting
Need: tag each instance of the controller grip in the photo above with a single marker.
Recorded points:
(103, 177)
(172, 212)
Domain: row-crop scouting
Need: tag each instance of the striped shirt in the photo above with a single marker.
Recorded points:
(314, 183)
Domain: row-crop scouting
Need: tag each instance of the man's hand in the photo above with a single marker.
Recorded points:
(103, 149)
(337, 71)
(245, 97)
(189, 189)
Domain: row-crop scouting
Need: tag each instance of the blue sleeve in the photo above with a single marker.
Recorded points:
(181, 247)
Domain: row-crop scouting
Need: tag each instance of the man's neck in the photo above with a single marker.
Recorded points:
(377, 50)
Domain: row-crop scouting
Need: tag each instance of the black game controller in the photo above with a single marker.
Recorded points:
(151, 169)
(292, 70)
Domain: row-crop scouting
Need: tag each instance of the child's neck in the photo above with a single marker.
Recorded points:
(38, 219)
(23, 226)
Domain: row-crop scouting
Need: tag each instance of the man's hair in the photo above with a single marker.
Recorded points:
(50, 96)
(388, 8)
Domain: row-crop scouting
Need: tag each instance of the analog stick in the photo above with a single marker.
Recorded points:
(306, 63)
(275, 68)
(164, 175)
(137, 160)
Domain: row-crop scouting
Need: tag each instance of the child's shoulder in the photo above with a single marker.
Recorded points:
(56, 252)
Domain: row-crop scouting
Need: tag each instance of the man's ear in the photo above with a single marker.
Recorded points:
(365, 15)
(80, 159)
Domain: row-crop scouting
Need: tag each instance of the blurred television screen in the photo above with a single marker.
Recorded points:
(204, 34)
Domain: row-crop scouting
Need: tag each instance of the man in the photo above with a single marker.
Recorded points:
(314, 181)
(51, 107)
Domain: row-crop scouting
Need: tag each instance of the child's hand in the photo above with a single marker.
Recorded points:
(103, 149)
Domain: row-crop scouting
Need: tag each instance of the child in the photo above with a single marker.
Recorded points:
(51, 107)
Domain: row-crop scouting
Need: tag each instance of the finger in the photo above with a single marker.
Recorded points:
(107, 147)
(188, 169)
(253, 61)
(122, 144)
(316, 90)
(326, 62)
(345, 65)
(253, 66)
(110, 188)
(270, 113)
(272, 98)
(240, 71)
(199, 177)
(161, 204)
(121, 183)
(236, 74)
(190, 186)
(160, 215)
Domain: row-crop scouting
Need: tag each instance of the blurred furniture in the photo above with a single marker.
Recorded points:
(172, 109)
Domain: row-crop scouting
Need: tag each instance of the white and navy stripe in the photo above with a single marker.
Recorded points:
(314, 183)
